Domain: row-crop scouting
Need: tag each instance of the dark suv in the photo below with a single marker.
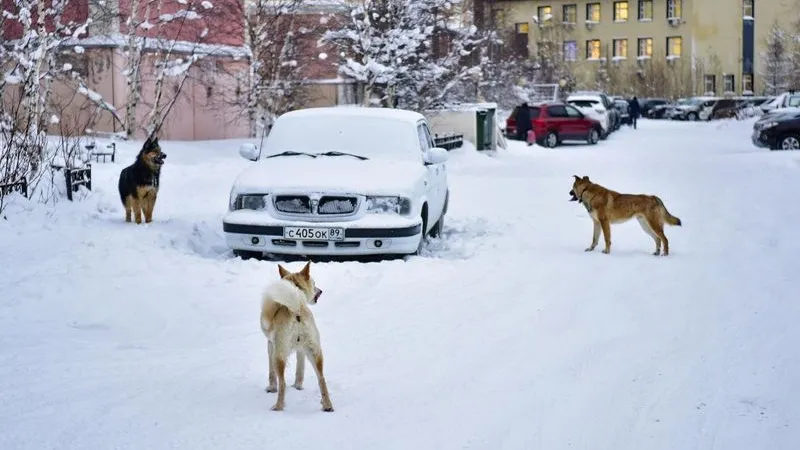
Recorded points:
(778, 132)
(553, 123)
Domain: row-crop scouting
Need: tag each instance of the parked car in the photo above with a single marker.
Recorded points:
(785, 100)
(605, 100)
(647, 104)
(593, 107)
(778, 132)
(691, 107)
(339, 181)
(721, 108)
(554, 123)
(624, 111)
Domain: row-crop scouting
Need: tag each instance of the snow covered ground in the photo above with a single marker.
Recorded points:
(505, 335)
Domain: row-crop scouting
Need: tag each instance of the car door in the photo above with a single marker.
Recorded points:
(557, 121)
(440, 173)
(576, 123)
(431, 175)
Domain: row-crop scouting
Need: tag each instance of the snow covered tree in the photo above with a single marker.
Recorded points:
(777, 68)
(171, 32)
(412, 53)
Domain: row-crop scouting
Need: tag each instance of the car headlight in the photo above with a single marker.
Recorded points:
(386, 204)
(769, 125)
(248, 201)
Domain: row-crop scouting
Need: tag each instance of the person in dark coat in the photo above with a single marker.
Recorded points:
(523, 120)
(635, 109)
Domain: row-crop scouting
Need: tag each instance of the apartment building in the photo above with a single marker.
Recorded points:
(708, 46)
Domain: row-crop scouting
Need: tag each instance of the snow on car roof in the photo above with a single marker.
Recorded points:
(357, 111)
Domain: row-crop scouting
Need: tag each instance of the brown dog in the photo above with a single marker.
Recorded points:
(289, 326)
(606, 207)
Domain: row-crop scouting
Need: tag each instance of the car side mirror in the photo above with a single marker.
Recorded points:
(249, 152)
(435, 156)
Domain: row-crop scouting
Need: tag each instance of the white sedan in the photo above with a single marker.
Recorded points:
(339, 181)
(592, 107)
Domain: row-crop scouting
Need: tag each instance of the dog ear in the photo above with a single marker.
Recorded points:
(282, 271)
(585, 178)
(306, 272)
(576, 177)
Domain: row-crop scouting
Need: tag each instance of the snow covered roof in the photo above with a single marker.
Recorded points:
(358, 111)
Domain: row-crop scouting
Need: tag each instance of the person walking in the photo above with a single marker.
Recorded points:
(523, 121)
(634, 110)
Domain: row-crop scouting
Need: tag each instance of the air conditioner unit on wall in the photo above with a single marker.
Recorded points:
(674, 21)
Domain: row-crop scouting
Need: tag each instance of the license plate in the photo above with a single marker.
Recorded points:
(313, 233)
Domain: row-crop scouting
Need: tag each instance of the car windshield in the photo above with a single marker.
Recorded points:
(793, 101)
(696, 101)
(371, 137)
(583, 103)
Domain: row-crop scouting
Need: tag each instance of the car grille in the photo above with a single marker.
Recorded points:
(328, 205)
(293, 204)
(337, 205)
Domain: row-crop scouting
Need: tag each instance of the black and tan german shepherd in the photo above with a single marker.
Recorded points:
(138, 183)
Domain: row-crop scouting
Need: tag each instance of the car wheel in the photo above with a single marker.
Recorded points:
(246, 254)
(603, 135)
(594, 136)
(790, 142)
(692, 116)
(551, 140)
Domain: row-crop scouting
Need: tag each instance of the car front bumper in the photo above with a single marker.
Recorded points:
(760, 139)
(362, 237)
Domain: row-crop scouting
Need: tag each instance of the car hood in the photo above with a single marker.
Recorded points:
(331, 174)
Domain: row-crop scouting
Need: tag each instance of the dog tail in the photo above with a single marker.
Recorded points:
(284, 292)
(668, 218)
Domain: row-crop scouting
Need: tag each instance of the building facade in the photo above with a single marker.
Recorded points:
(697, 47)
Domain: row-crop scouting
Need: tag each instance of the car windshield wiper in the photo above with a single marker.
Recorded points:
(334, 153)
(291, 153)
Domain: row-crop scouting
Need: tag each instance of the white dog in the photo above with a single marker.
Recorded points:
(289, 326)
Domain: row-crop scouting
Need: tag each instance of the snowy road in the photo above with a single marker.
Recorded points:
(506, 335)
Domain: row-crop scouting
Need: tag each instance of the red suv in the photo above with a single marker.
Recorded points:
(556, 122)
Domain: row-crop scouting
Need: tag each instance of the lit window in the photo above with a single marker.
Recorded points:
(674, 47)
(593, 12)
(674, 8)
(645, 47)
(544, 13)
(620, 11)
(645, 9)
(570, 13)
(593, 49)
(620, 48)
(522, 28)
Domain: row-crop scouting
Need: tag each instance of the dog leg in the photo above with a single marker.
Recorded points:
(315, 354)
(136, 205)
(280, 369)
(606, 225)
(658, 229)
(646, 227)
(271, 369)
(595, 235)
(128, 208)
(300, 370)
(150, 204)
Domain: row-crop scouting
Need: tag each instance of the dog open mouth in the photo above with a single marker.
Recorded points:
(573, 197)
(317, 294)
(160, 159)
